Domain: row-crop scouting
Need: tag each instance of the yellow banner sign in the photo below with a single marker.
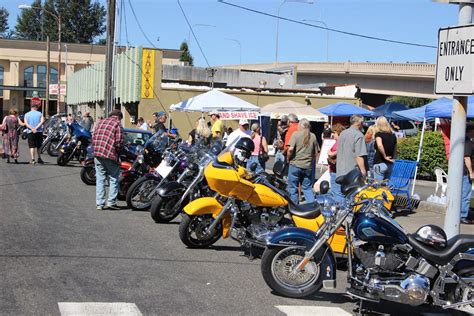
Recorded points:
(148, 73)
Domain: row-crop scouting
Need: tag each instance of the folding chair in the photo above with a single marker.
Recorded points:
(401, 178)
(441, 181)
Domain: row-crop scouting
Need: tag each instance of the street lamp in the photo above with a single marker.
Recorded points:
(240, 47)
(199, 24)
(278, 22)
(58, 19)
(327, 35)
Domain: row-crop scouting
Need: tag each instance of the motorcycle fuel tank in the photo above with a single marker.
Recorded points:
(374, 229)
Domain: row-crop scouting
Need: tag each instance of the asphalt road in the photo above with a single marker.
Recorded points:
(55, 248)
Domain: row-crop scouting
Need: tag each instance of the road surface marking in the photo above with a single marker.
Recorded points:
(292, 310)
(97, 308)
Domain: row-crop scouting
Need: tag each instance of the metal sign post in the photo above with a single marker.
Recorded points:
(454, 76)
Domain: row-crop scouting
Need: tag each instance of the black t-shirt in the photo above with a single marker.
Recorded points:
(468, 148)
(389, 140)
(159, 127)
(193, 135)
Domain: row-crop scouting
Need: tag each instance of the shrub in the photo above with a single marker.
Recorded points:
(433, 155)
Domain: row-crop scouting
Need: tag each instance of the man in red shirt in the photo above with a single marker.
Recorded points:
(293, 119)
(107, 142)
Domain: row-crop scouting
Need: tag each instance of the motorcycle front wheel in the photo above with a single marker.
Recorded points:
(63, 159)
(193, 231)
(278, 270)
(52, 151)
(164, 210)
(44, 146)
(138, 196)
(88, 175)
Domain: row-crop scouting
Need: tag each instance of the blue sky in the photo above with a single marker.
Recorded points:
(404, 20)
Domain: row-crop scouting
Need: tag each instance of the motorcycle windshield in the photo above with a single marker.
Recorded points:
(80, 131)
(158, 142)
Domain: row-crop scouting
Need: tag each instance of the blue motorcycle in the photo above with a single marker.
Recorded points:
(384, 262)
(76, 146)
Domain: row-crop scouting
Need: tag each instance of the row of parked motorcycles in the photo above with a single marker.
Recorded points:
(303, 245)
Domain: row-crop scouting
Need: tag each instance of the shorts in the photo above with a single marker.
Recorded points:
(35, 140)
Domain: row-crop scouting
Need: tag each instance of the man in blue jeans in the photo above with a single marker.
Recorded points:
(107, 141)
(467, 178)
(302, 151)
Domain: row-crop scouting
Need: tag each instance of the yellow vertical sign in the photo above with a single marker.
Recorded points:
(148, 73)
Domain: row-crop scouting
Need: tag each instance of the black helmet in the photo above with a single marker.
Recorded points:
(432, 235)
(243, 150)
(245, 144)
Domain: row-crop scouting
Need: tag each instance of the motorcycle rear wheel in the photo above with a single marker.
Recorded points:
(52, 151)
(63, 159)
(136, 195)
(277, 271)
(164, 210)
(197, 225)
(88, 175)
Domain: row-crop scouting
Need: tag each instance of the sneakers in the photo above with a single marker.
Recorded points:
(40, 161)
(113, 207)
(99, 208)
(466, 221)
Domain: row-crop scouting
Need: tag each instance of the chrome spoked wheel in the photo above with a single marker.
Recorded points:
(285, 274)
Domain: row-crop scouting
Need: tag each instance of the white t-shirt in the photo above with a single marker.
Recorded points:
(144, 126)
(234, 138)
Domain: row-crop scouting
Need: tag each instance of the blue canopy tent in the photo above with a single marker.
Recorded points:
(388, 108)
(416, 114)
(344, 109)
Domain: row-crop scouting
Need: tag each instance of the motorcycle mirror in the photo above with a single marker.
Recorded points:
(253, 166)
(324, 187)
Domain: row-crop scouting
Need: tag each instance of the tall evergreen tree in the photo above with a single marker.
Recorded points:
(3, 22)
(81, 21)
(186, 54)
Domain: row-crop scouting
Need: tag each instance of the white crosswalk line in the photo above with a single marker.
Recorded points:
(292, 310)
(98, 308)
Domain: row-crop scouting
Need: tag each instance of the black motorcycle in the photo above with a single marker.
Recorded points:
(77, 145)
(191, 184)
(55, 132)
(384, 262)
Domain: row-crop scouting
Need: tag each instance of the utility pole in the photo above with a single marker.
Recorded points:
(457, 141)
(109, 58)
(48, 69)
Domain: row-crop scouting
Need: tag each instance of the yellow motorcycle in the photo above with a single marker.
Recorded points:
(248, 208)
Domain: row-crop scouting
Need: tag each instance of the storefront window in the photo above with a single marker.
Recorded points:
(28, 80)
(53, 79)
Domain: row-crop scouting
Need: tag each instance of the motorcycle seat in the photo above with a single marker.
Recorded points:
(455, 245)
(307, 210)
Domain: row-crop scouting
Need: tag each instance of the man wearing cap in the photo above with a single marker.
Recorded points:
(293, 127)
(217, 126)
(160, 120)
(242, 131)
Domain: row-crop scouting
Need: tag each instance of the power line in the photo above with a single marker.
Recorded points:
(326, 28)
(194, 35)
(139, 25)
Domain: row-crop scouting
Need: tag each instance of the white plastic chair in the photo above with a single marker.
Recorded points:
(441, 181)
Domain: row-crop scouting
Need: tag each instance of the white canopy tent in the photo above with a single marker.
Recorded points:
(214, 100)
(276, 110)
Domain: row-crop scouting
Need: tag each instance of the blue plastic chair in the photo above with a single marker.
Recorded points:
(401, 178)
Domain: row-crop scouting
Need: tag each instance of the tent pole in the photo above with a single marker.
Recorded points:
(420, 150)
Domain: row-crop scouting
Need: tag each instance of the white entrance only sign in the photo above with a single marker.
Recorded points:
(455, 61)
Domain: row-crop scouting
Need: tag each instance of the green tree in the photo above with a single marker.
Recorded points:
(186, 54)
(411, 102)
(81, 21)
(3, 22)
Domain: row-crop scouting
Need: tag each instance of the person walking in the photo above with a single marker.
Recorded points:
(107, 141)
(351, 150)
(279, 143)
(332, 158)
(370, 144)
(302, 152)
(468, 175)
(260, 151)
(242, 131)
(200, 133)
(9, 127)
(34, 121)
(87, 121)
(217, 126)
(385, 149)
